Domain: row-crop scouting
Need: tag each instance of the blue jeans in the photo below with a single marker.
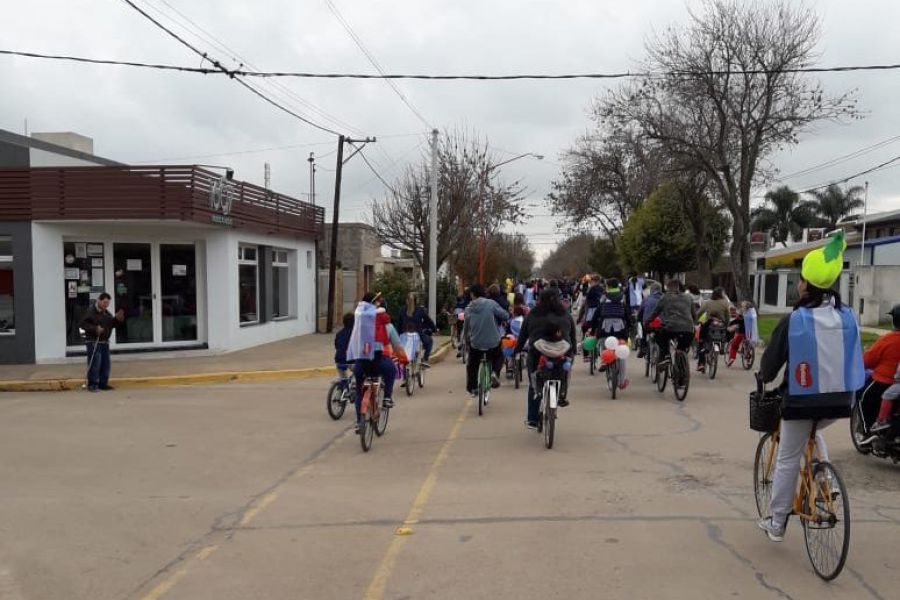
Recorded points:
(427, 344)
(98, 365)
(379, 365)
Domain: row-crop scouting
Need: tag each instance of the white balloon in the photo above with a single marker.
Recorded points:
(622, 352)
(611, 343)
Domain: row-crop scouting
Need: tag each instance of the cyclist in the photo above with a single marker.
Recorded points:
(696, 296)
(551, 323)
(635, 291)
(611, 319)
(882, 358)
(370, 335)
(483, 336)
(341, 343)
(462, 302)
(494, 293)
(678, 313)
(820, 376)
(737, 331)
(716, 308)
(415, 318)
(644, 313)
(589, 310)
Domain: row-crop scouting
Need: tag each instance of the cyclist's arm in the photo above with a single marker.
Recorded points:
(776, 353)
(500, 313)
(523, 334)
(657, 310)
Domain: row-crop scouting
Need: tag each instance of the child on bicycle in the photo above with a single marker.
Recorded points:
(736, 332)
(887, 404)
(341, 343)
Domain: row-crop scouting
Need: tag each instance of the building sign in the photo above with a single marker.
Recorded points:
(220, 198)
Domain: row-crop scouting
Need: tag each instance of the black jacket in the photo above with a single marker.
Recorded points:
(93, 319)
(550, 327)
(419, 319)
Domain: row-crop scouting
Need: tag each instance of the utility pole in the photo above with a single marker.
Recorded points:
(312, 177)
(312, 198)
(432, 233)
(862, 246)
(267, 174)
(329, 320)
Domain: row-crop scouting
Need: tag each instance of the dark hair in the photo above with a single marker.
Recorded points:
(518, 299)
(477, 290)
(368, 297)
(549, 303)
(673, 285)
(494, 290)
(718, 293)
(816, 297)
(348, 320)
(612, 282)
(104, 296)
(518, 310)
(692, 288)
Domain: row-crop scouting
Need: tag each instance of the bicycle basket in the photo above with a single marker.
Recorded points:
(765, 411)
(717, 334)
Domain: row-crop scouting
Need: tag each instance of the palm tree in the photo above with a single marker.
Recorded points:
(784, 215)
(834, 205)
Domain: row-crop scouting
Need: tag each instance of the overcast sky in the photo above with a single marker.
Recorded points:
(149, 116)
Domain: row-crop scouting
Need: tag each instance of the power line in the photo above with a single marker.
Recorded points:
(222, 70)
(238, 152)
(225, 71)
(377, 174)
(359, 44)
(854, 176)
(840, 159)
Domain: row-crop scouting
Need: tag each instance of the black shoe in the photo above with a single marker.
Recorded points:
(495, 381)
(563, 402)
(107, 388)
(425, 364)
(531, 424)
(92, 388)
(388, 403)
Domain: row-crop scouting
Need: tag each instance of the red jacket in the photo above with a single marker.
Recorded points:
(883, 357)
(381, 333)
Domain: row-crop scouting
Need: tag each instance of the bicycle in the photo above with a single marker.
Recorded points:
(820, 502)
(549, 376)
(412, 374)
(714, 348)
(518, 369)
(747, 352)
(339, 395)
(680, 371)
(374, 416)
(484, 383)
(612, 377)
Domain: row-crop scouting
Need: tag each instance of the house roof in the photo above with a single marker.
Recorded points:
(29, 142)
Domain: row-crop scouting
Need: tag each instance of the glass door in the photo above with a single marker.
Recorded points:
(133, 292)
(178, 292)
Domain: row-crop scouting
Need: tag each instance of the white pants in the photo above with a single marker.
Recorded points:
(791, 445)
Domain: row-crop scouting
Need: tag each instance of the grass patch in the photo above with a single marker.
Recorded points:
(767, 325)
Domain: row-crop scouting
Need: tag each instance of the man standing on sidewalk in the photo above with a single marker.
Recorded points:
(98, 325)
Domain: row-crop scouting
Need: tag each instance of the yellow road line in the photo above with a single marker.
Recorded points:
(378, 585)
(163, 588)
(206, 552)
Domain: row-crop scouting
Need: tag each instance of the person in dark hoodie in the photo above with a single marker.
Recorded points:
(612, 319)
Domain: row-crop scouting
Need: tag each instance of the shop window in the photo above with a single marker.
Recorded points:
(771, 289)
(281, 285)
(248, 284)
(309, 259)
(7, 310)
(84, 276)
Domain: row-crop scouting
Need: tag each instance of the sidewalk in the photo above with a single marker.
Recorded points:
(298, 357)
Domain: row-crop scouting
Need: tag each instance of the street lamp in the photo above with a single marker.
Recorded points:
(484, 177)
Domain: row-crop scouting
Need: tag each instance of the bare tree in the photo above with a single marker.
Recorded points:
(506, 255)
(470, 197)
(724, 93)
(607, 174)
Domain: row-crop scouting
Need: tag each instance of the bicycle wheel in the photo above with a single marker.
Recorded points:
(828, 533)
(420, 377)
(592, 361)
(335, 402)
(748, 355)
(681, 376)
(712, 362)
(381, 422)
(858, 432)
(653, 355)
(367, 426)
(550, 418)
(409, 381)
(764, 472)
(612, 378)
(662, 377)
(517, 371)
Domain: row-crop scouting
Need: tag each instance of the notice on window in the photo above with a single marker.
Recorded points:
(80, 250)
(72, 273)
(134, 264)
(83, 289)
(96, 262)
(84, 277)
(96, 278)
(72, 289)
(95, 249)
(179, 270)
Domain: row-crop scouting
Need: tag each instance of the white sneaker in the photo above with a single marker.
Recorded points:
(775, 533)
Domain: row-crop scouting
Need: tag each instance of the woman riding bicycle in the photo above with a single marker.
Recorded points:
(819, 346)
(548, 322)
(715, 309)
(678, 313)
(415, 317)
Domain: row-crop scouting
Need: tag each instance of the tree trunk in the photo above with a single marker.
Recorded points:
(740, 263)
(704, 268)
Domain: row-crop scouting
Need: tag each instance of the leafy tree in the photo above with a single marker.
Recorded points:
(572, 258)
(604, 258)
(394, 288)
(725, 92)
(832, 205)
(784, 215)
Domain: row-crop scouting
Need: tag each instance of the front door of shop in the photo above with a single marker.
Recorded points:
(154, 284)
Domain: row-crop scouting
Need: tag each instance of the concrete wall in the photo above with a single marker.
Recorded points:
(887, 254)
(13, 155)
(877, 289)
(43, 158)
(19, 347)
(217, 280)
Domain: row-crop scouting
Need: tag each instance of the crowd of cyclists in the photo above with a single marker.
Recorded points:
(816, 347)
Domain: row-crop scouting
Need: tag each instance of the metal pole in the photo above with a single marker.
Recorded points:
(432, 233)
(481, 239)
(312, 196)
(862, 247)
(329, 319)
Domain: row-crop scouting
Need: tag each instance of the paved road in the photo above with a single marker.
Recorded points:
(251, 491)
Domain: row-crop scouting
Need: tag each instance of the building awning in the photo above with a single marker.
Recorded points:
(785, 258)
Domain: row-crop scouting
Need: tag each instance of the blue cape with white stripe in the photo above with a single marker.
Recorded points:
(824, 352)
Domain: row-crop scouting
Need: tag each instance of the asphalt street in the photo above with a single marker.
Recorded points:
(250, 490)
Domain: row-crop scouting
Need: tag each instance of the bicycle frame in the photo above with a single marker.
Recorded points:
(369, 403)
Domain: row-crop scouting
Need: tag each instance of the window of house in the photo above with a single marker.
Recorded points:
(248, 284)
(7, 311)
(281, 288)
(309, 259)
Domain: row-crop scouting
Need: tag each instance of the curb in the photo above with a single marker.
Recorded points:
(59, 385)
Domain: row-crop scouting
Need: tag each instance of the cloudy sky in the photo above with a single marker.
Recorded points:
(161, 117)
